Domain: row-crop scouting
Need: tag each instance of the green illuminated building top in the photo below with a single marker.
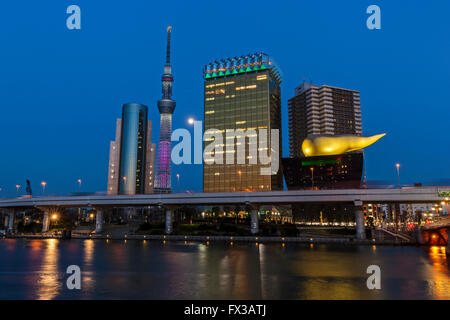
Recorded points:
(242, 64)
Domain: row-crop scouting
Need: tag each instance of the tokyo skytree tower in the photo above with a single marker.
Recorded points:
(166, 106)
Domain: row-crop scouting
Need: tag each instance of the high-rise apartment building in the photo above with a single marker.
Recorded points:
(324, 110)
(132, 154)
(114, 161)
(242, 93)
(166, 107)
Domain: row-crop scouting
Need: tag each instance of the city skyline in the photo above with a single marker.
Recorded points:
(382, 67)
(244, 152)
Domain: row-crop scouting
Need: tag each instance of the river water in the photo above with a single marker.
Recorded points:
(36, 269)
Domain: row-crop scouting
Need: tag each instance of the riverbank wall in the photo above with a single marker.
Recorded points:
(227, 239)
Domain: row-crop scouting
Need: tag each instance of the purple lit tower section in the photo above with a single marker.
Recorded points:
(166, 106)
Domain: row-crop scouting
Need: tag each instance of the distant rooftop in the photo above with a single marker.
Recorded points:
(305, 86)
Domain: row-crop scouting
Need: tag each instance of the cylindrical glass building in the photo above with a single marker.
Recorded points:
(132, 149)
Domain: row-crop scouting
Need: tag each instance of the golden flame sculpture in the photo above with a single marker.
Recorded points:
(333, 145)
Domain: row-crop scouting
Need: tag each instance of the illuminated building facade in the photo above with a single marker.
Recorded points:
(242, 93)
(166, 107)
(132, 155)
(370, 209)
(114, 161)
(325, 142)
(324, 110)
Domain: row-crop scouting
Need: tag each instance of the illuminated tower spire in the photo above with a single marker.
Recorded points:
(166, 106)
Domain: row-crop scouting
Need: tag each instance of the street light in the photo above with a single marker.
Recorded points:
(17, 187)
(79, 184)
(397, 165)
(240, 180)
(446, 200)
(43, 184)
(53, 217)
(178, 183)
(437, 208)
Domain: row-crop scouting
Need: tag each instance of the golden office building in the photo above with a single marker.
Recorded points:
(242, 93)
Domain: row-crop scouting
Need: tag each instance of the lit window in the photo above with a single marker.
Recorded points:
(263, 77)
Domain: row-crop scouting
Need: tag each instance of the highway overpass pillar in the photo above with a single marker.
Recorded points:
(45, 222)
(447, 250)
(419, 236)
(359, 215)
(254, 222)
(6, 221)
(169, 221)
(99, 222)
(11, 217)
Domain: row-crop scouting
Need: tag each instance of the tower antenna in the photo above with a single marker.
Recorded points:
(169, 30)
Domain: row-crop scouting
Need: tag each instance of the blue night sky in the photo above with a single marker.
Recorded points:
(61, 90)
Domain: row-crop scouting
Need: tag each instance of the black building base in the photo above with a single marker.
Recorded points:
(324, 172)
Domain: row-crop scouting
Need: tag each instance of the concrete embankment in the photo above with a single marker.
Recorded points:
(254, 239)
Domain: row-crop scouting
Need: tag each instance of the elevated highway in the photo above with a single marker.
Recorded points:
(412, 195)
(254, 200)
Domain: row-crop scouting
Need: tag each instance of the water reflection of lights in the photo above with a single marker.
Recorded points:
(88, 279)
(222, 271)
(88, 252)
(439, 274)
(49, 285)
